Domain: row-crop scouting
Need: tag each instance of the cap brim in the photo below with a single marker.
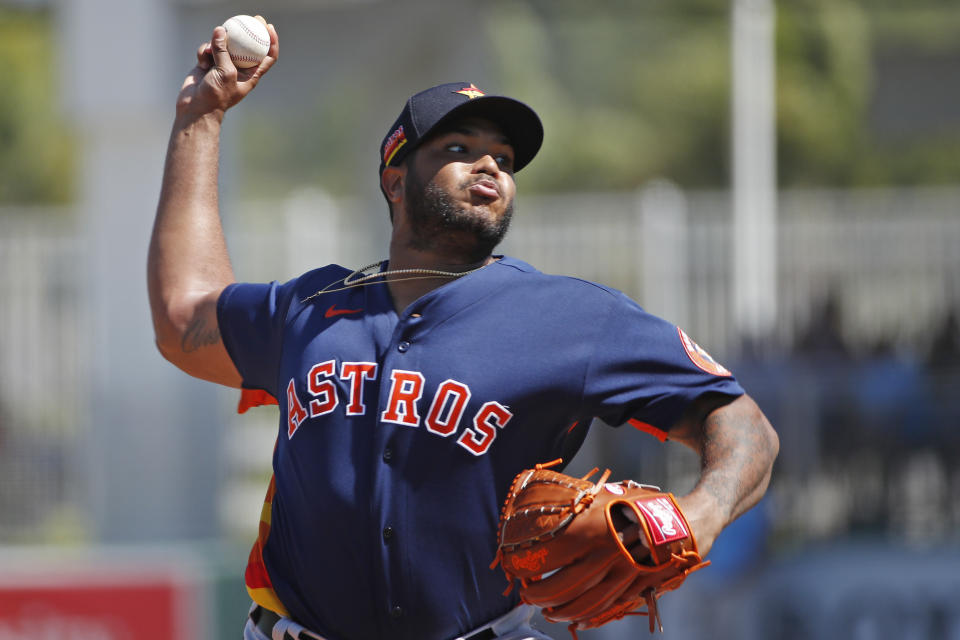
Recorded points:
(519, 123)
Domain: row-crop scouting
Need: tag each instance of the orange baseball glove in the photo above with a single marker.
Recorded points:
(590, 553)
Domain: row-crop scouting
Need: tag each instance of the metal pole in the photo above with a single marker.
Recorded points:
(754, 170)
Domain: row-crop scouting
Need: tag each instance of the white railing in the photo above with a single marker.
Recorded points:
(892, 257)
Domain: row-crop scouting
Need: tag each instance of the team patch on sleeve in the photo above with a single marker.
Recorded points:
(700, 357)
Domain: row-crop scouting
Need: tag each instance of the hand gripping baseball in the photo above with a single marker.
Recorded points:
(216, 84)
(568, 542)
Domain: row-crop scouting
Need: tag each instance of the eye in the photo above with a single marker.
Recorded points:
(505, 161)
(456, 147)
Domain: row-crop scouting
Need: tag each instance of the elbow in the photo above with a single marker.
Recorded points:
(167, 335)
(173, 352)
(170, 346)
(773, 444)
(765, 443)
(175, 315)
(762, 445)
(166, 348)
(770, 450)
(171, 324)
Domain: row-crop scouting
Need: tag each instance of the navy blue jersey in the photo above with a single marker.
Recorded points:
(400, 434)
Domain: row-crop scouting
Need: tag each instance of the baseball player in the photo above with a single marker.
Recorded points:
(413, 390)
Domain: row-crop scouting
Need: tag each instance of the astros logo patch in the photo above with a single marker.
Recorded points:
(700, 357)
(471, 91)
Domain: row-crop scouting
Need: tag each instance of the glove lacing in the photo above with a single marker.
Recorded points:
(577, 504)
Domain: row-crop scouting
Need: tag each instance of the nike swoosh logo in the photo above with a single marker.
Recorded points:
(333, 311)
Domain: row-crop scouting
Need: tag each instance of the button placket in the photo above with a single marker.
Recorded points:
(408, 325)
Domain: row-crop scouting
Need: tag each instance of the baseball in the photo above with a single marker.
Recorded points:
(247, 40)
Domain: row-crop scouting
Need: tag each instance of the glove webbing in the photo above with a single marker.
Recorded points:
(580, 502)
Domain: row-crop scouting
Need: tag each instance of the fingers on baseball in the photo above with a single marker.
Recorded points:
(221, 57)
(205, 56)
(273, 52)
(253, 73)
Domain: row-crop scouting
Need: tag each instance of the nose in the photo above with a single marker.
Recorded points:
(486, 164)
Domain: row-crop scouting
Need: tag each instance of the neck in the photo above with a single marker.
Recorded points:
(405, 292)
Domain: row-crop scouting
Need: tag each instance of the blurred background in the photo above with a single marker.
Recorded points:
(780, 179)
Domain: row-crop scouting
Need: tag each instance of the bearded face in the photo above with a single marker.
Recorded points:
(439, 221)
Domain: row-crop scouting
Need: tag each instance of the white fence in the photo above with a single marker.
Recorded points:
(892, 258)
(43, 348)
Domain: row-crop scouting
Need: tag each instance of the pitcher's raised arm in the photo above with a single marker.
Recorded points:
(188, 264)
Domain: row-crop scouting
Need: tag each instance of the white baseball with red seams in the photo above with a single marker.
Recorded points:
(247, 40)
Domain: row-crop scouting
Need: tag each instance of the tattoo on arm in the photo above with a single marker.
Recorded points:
(736, 458)
(199, 334)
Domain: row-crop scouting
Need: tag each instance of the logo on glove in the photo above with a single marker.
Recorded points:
(531, 561)
(614, 488)
(664, 519)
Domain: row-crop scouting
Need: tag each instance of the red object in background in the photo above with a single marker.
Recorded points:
(97, 605)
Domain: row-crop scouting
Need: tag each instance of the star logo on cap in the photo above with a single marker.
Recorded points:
(471, 91)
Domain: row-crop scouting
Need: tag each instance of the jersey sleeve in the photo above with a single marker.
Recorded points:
(647, 371)
(251, 319)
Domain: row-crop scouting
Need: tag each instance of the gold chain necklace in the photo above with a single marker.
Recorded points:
(359, 279)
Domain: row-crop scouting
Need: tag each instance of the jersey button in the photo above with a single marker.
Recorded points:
(396, 612)
(403, 346)
(388, 533)
(387, 454)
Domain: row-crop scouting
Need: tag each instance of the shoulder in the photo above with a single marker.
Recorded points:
(282, 296)
(565, 291)
(316, 280)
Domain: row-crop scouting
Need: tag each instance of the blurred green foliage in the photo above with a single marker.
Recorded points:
(36, 149)
(298, 152)
(823, 80)
(864, 91)
(631, 91)
(628, 91)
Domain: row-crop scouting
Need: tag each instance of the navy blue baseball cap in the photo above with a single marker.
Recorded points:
(429, 110)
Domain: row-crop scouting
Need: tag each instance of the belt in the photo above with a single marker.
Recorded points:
(265, 620)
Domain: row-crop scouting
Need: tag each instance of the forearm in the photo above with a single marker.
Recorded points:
(188, 254)
(737, 448)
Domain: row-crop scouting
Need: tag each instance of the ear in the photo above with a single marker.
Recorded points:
(392, 183)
